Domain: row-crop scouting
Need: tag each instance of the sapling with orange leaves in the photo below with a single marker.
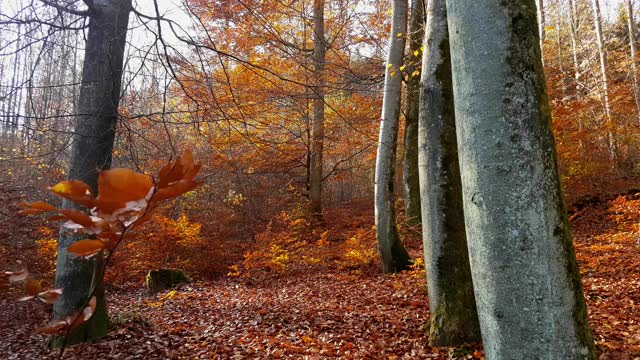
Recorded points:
(125, 200)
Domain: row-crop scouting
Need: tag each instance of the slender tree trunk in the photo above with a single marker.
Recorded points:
(541, 27)
(573, 22)
(92, 150)
(634, 64)
(611, 137)
(393, 254)
(411, 183)
(317, 133)
(525, 273)
(454, 319)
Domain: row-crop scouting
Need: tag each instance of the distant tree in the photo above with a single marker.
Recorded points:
(604, 83)
(634, 57)
(525, 274)
(317, 128)
(411, 183)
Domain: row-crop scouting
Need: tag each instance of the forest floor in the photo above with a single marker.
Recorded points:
(322, 314)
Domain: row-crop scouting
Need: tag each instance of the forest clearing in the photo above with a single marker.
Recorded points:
(319, 179)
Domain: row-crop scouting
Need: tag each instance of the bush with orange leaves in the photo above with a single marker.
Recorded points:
(164, 242)
(291, 243)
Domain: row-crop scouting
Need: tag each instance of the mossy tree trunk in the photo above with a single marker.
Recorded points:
(92, 148)
(525, 274)
(410, 177)
(394, 256)
(454, 320)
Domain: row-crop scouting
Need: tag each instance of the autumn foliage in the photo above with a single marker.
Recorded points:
(125, 200)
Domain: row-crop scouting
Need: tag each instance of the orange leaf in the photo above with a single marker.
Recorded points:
(182, 168)
(78, 217)
(54, 327)
(36, 208)
(117, 187)
(86, 248)
(76, 191)
(176, 189)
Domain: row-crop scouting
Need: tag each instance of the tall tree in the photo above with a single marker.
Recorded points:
(604, 83)
(634, 62)
(454, 319)
(411, 183)
(525, 273)
(92, 150)
(394, 256)
(317, 131)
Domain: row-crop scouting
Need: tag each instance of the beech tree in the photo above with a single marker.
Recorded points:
(452, 305)
(411, 182)
(525, 274)
(634, 62)
(317, 128)
(394, 256)
(604, 83)
(91, 151)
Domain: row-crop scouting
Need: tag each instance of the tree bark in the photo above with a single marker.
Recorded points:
(394, 256)
(410, 180)
(92, 150)
(634, 57)
(317, 133)
(611, 137)
(454, 319)
(525, 274)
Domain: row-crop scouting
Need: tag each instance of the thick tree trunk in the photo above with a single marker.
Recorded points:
(411, 183)
(393, 254)
(634, 57)
(525, 274)
(317, 133)
(611, 137)
(454, 320)
(92, 149)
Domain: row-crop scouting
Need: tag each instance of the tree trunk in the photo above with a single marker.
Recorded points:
(411, 183)
(541, 27)
(597, 20)
(525, 274)
(454, 319)
(634, 65)
(393, 254)
(573, 22)
(92, 148)
(317, 133)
